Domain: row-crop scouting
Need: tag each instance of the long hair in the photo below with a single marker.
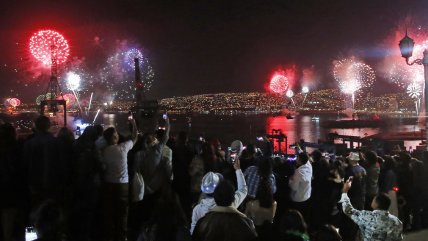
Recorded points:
(264, 191)
(209, 158)
(292, 220)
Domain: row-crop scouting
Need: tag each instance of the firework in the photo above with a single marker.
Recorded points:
(96, 115)
(14, 102)
(39, 99)
(90, 103)
(290, 95)
(130, 55)
(279, 84)
(402, 74)
(353, 76)
(117, 77)
(414, 90)
(69, 99)
(44, 43)
(305, 90)
(73, 81)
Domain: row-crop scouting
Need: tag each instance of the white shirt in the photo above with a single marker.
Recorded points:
(300, 183)
(115, 158)
(206, 204)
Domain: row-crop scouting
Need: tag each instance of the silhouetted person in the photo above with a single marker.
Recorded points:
(116, 183)
(320, 189)
(293, 227)
(49, 222)
(85, 186)
(168, 221)
(327, 233)
(224, 222)
(41, 155)
(182, 155)
(13, 186)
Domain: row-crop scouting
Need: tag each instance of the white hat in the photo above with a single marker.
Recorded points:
(237, 147)
(210, 182)
(353, 156)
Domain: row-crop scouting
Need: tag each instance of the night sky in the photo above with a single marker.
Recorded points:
(212, 46)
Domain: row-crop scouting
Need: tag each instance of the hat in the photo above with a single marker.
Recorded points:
(210, 182)
(237, 147)
(353, 156)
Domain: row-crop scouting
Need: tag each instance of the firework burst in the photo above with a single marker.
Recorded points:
(73, 81)
(353, 76)
(39, 99)
(402, 74)
(44, 43)
(414, 90)
(130, 55)
(117, 77)
(279, 84)
(69, 99)
(14, 102)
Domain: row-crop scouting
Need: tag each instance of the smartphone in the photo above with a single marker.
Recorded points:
(165, 116)
(259, 138)
(30, 234)
(292, 158)
(350, 179)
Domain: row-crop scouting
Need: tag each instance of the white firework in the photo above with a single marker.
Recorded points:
(414, 90)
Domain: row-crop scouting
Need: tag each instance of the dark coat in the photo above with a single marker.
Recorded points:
(226, 224)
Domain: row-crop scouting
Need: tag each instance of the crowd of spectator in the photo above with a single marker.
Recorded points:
(158, 186)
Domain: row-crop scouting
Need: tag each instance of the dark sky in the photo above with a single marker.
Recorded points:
(209, 46)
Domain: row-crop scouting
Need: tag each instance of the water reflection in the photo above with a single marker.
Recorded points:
(245, 128)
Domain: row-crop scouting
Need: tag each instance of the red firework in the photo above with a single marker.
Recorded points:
(69, 99)
(279, 84)
(14, 102)
(44, 43)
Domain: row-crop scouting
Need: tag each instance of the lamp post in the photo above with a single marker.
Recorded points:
(406, 48)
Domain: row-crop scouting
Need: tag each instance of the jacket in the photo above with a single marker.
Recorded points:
(226, 224)
(206, 204)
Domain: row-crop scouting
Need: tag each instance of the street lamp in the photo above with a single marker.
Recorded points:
(406, 48)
